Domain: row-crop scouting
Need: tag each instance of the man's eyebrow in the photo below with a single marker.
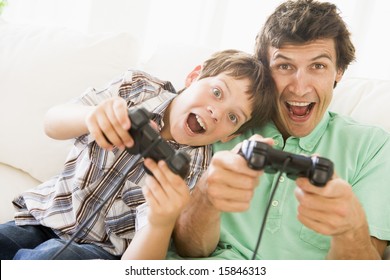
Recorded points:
(324, 55)
(281, 56)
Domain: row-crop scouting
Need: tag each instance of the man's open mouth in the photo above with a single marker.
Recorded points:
(195, 123)
(300, 109)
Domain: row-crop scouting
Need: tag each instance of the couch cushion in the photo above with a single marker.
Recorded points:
(366, 100)
(12, 182)
(41, 67)
(173, 62)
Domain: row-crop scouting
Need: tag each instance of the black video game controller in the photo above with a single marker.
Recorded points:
(260, 155)
(145, 136)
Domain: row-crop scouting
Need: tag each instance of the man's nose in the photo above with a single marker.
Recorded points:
(300, 84)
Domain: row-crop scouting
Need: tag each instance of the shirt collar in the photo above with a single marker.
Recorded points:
(307, 143)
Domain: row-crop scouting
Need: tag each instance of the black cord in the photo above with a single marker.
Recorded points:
(115, 189)
(285, 163)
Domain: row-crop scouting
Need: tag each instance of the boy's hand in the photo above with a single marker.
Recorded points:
(109, 123)
(166, 194)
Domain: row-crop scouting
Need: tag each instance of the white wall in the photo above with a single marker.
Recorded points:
(215, 24)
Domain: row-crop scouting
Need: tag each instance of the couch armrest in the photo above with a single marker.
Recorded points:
(12, 181)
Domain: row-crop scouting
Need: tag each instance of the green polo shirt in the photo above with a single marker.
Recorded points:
(361, 156)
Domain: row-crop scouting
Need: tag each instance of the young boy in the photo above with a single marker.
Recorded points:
(229, 93)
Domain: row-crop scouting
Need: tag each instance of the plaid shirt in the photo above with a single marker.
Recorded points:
(67, 200)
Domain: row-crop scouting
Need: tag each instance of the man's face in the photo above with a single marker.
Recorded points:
(210, 109)
(304, 76)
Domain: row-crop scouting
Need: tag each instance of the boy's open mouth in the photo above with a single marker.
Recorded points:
(300, 109)
(195, 123)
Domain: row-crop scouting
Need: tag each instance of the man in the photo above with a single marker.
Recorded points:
(307, 47)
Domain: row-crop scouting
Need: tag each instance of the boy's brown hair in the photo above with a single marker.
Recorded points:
(241, 65)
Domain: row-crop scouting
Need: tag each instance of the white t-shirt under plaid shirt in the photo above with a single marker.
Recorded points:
(65, 201)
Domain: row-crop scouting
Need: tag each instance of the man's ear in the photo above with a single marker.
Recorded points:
(230, 137)
(193, 76)
(339, 75)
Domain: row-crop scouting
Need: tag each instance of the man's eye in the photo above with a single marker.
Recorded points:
(284, 66)
(217, 93)
(233, 118)
(319, 66)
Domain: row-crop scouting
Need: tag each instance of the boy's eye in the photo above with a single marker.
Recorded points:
(217, 93)
(233, 118)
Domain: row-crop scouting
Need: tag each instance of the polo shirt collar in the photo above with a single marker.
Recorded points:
(307, 143)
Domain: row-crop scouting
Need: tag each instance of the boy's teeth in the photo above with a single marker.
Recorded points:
(201, 123)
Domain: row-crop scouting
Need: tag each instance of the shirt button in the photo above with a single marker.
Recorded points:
(281, 180)
(276, 142)
(275, 203)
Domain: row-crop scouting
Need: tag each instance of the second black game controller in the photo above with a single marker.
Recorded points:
(147, 139)
(260, 155)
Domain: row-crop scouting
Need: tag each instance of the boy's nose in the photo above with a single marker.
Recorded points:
(213, 112)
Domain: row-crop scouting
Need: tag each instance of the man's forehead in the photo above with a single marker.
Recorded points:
(317, 49)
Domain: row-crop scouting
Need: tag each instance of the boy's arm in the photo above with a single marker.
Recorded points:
(166, 195)
(108, 122)
(149, 243)
(67, 121)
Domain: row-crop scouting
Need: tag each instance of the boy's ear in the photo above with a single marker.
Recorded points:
(230, 137)
(194, 74)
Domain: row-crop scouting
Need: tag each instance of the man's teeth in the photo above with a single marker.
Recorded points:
(300, 104)
(201, 123)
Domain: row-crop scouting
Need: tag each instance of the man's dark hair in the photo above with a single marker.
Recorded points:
(302, 21)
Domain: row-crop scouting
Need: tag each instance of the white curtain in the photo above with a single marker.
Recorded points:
(215, 24)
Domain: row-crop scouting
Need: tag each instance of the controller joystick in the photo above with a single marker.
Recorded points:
(260, 155)
(147, 139)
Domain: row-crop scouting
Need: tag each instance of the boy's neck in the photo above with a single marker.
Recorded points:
(165, 131)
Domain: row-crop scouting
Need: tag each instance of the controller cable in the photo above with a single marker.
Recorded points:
(114, 191)
(282, 170)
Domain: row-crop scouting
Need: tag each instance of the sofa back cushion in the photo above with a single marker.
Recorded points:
(366, 100)
(41, 67)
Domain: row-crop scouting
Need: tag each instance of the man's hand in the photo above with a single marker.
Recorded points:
(230, 183)
(335, 210)
(330, 210)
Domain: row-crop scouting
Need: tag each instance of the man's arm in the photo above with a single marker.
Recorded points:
(335, 210)
(197, 229)
(365, 247)
(228, 185)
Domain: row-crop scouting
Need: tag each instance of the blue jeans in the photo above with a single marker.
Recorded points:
(41, 243)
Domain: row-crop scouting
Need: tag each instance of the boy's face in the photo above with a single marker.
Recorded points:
(209, 110)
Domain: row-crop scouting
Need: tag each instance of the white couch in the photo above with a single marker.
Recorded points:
(41, 67)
